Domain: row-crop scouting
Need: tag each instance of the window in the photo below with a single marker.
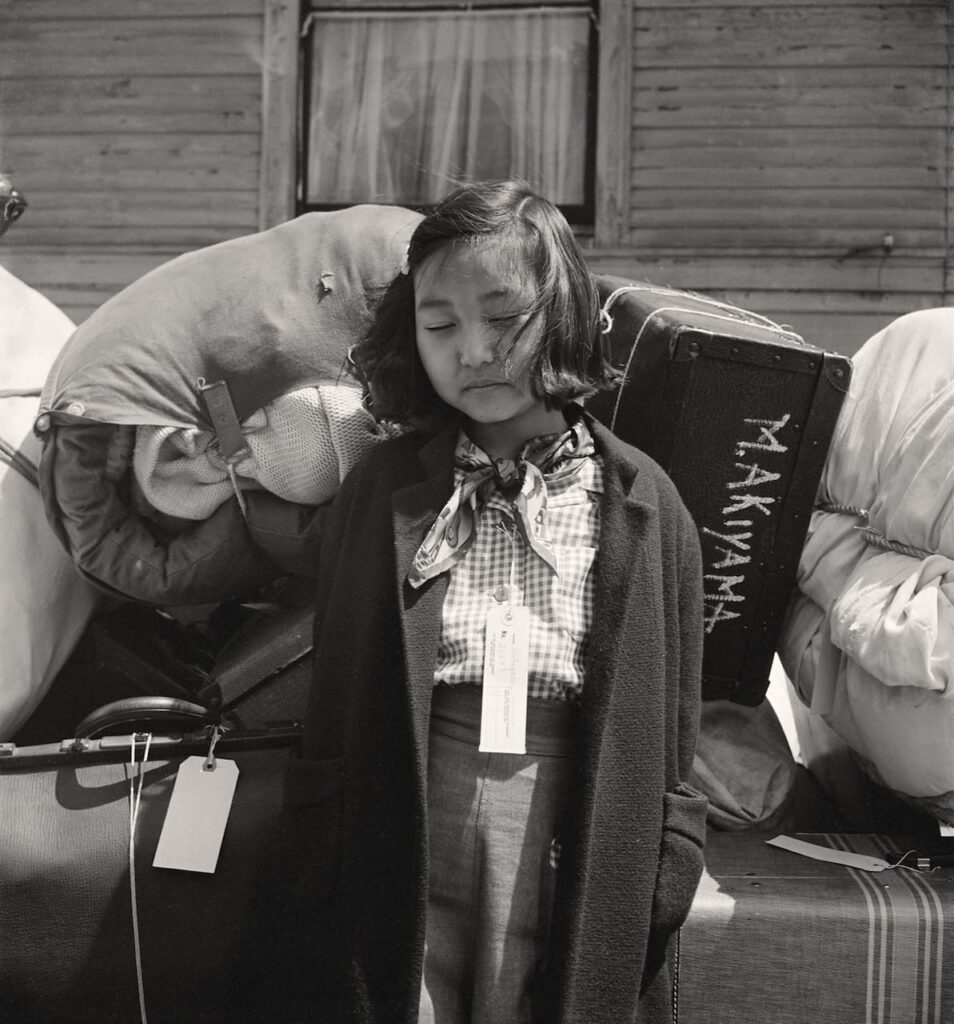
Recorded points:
(399, 104)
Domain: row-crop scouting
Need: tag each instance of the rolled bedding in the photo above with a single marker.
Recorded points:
(196, 422)
(868, 640)
(44, 603)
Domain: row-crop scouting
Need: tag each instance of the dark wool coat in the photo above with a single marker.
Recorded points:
(349, 916)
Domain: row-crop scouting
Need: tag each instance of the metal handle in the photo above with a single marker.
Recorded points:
(134, 710)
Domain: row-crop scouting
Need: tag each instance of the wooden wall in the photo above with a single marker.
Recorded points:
(772, 145)
(133, 127)
(775, 143)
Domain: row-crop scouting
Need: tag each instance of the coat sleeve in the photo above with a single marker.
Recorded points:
(289, 533)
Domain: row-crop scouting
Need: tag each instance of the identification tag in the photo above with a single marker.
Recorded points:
(198, 812)
(503, 711)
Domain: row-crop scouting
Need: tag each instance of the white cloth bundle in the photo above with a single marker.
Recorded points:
(869, 637)
(44, 604)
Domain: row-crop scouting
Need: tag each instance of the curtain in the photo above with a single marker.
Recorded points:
(404, 105)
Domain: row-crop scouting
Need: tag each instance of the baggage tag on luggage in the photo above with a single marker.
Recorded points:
(198, 812)
(824, 853)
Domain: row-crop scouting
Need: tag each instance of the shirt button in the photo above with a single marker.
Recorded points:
(76, 408)
(42, 423)
(502, 593)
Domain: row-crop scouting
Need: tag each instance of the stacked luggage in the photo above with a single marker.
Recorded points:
(206, 635)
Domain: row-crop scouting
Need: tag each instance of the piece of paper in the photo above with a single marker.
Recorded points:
(198, 812)
(846, 857)
(503, 709)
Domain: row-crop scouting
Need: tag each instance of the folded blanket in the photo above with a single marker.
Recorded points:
(869, 636)
(137, 480)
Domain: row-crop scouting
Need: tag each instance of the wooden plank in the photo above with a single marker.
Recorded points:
(793, 54)
(278, 170)
(753, 107)
(754, 213)
(794, 200)
(172, 234)
(95, 271)
(613, 135)
(794, 303)
(139, 207)
(766, 272)
(173, 46)
(123, 104)
(677, 7)
(90, 162)
(817, 158)
(38, 10)
(878, 35)
(774, 236)
(758, 175)
(807, 77)
(896, 138)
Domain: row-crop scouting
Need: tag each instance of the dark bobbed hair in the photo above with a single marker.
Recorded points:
(568, 361)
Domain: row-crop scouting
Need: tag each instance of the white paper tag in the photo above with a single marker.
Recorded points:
(846, 857)
(503, 709)
(197, 815)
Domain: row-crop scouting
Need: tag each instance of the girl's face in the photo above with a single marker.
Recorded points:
(469, 305)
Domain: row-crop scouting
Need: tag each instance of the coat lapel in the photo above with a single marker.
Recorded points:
(626, 520)
(414, 508)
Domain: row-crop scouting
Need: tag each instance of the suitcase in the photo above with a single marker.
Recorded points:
(67, 950)
(774, 936)
(263, 673)
(740, 412)
(253, 667)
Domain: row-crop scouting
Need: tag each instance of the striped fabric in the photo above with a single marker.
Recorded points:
(776, 938)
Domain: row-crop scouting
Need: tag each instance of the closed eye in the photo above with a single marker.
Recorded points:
(506, 318)
(438, 327)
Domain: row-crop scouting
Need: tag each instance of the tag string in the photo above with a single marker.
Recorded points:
(136, 777)
(209, 765)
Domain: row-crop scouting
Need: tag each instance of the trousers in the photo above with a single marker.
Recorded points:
(494, 842)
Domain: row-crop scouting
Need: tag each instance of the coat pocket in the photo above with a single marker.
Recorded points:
(680, 868)
(314, 792)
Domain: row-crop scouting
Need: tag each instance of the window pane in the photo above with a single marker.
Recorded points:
(403, 105)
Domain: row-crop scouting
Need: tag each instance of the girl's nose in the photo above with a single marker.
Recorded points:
(478, 345)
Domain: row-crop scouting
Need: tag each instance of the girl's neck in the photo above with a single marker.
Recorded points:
(503, 440)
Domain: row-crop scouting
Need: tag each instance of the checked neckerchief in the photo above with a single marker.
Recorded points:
(521, 480)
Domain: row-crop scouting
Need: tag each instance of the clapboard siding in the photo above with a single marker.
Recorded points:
(133, 105)
(128, 46)
(800, 126)
(765, 150)
(135, 9)
(134, 129)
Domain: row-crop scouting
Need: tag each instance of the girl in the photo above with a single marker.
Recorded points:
(489, 820)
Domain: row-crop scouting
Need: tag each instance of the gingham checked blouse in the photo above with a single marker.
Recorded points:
(500, 565)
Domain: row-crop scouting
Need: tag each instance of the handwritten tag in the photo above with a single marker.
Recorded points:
(503, 709)
(198, 812)
(845, 857)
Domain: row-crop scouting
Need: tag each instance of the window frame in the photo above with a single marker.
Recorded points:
(283, 76)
